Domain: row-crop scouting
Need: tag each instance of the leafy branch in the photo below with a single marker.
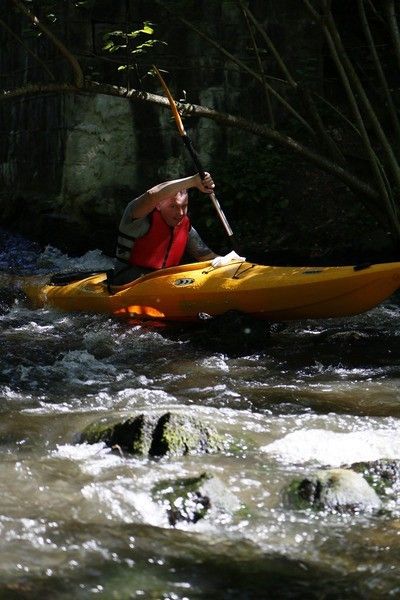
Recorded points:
(115, 41)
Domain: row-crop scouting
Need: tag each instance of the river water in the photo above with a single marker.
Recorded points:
(79, 521)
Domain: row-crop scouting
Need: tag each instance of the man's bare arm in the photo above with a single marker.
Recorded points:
(147, 202)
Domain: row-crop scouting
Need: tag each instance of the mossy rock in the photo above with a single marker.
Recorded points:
(340, 490)
(193, 498)
(133, 435)
(155, 435)
(383, 475)
(177, 434)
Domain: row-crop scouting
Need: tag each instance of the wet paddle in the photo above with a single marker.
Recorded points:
(189, 145)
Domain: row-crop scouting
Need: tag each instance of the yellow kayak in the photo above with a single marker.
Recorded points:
(190, 292)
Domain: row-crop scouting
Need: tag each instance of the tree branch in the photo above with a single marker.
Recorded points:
(333, 43)
(194, 110)
(26, 47)
(379, 70)
(78, 74)
(303, 93)
(369, 110)
(280, 62)
(240, 64)
(390, 11)
(260, 65)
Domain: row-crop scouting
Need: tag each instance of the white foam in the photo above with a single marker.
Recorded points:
(147, 396)
(75, 366)
(333, 448)
(121, 501)
(81, 451)
(93, 459)
(9, 394)
(217, 363)
(52, 259)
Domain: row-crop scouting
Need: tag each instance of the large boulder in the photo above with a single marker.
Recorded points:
(341, 490)
(155, 435)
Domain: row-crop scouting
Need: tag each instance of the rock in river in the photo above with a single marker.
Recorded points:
(334, 489)
(383, 475)
(193, 498)
(155, 435)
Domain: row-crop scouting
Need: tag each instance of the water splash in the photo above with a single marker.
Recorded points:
(335, 448)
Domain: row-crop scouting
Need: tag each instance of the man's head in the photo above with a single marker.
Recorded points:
(173, 209)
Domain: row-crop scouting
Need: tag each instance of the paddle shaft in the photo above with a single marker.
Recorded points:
(188, 143)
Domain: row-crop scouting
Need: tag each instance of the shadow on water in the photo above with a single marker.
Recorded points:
(183, 566)
(233, 333)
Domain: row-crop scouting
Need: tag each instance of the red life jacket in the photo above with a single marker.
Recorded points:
(162, 246)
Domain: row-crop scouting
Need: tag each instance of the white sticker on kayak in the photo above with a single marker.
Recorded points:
(183, 281)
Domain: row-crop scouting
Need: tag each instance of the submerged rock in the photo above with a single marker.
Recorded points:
(155, 435)
(194, 498)
(383, 475)
(334, 489)
(348, 336)
(232, 333)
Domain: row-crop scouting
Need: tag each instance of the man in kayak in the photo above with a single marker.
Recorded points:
(155, 231)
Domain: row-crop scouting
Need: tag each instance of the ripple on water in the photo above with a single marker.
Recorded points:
(216, 363)
(75, 368)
